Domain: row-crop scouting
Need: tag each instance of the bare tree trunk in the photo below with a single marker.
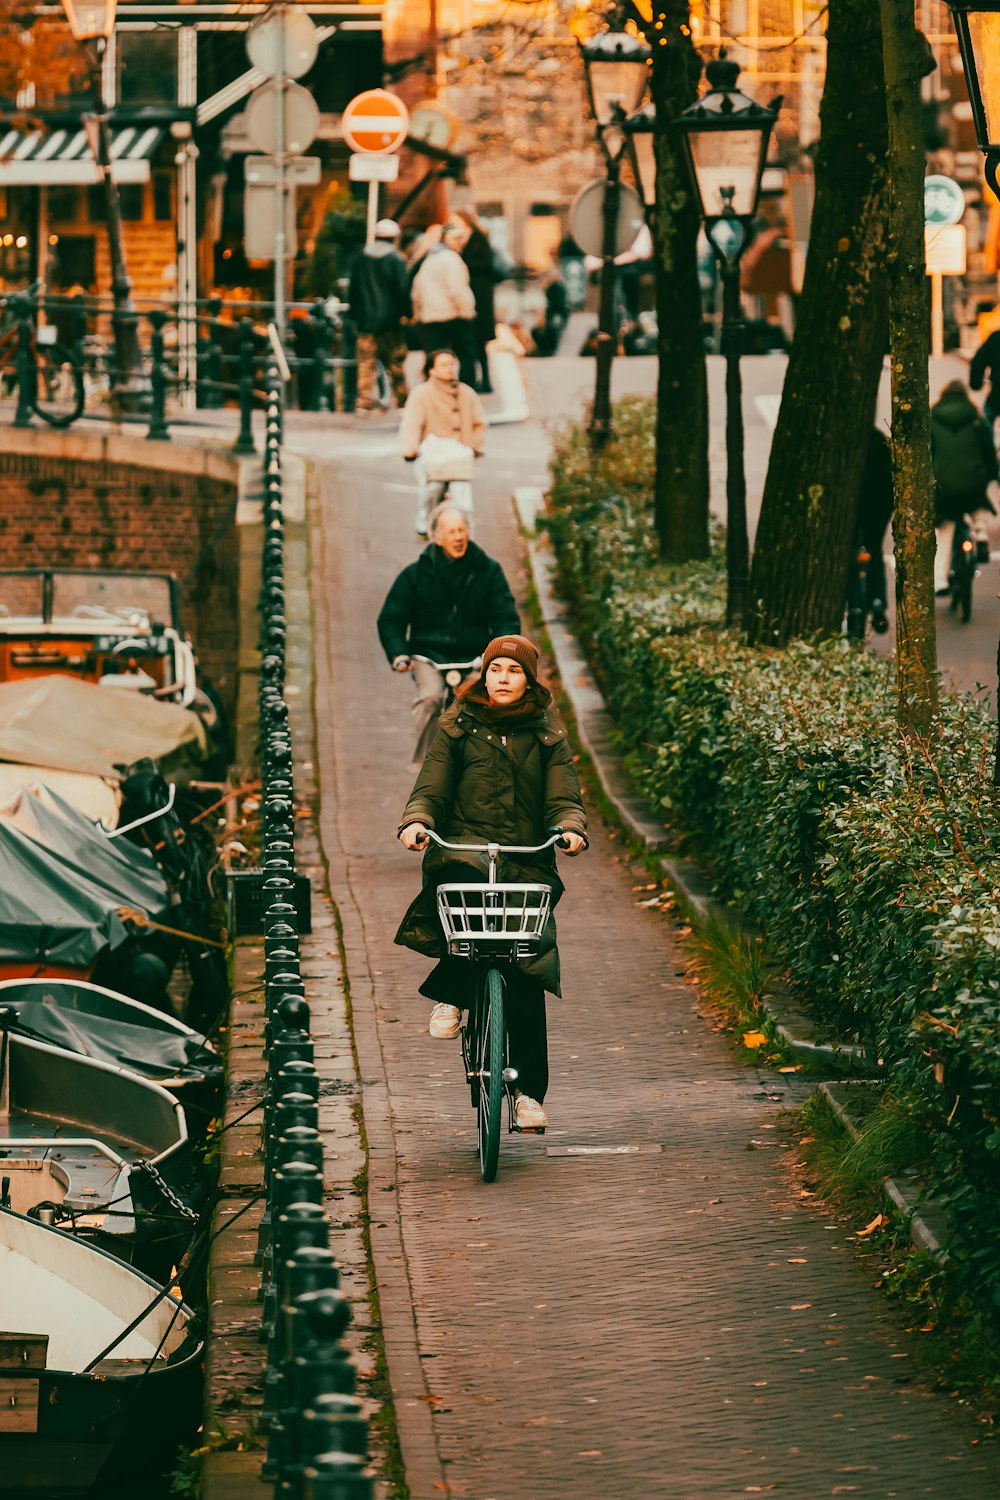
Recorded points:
(798, 582)
(681, 487)
(909, 350)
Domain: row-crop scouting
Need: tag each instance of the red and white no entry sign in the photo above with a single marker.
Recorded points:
(375, 121)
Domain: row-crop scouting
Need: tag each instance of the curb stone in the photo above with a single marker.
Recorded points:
(929, 1228)
(597, 736)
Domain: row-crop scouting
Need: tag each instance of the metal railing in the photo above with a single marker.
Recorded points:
(206, 355)
(316, 1427)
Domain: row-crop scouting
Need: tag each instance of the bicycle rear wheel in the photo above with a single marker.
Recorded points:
(59, 389)
(491, 1064)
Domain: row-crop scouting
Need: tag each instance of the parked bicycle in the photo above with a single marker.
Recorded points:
(55, 388)
(492, 924)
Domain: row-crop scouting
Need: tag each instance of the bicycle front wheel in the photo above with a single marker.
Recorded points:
(490, 1069)
(59, 389)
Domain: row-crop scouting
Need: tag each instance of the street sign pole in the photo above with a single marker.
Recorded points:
(374, 125)
(372, 213)
(280, 188)
(283, 44)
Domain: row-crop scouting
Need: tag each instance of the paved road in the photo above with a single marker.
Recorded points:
(642, 1305)
(967, 653)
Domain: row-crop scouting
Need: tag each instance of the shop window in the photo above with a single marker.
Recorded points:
(72, 262)
(163, 195)
(147, 67)
(132, 197)
(63, 205)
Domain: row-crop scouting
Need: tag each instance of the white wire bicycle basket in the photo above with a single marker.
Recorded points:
(507, 919)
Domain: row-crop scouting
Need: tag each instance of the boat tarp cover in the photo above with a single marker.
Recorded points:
(128, 872)
(144, 1049)
(96, 796)
(80, 726)
(50, 910)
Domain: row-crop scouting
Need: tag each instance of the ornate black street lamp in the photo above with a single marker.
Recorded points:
(726, 135)
(640, 132)
(978, 25)
(616, 68)
(92, 22)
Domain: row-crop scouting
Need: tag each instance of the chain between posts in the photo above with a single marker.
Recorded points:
(317, 1431)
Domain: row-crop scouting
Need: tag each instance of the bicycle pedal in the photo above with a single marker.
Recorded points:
(529, 1129)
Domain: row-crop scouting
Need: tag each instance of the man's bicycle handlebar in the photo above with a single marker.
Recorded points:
(495, 850)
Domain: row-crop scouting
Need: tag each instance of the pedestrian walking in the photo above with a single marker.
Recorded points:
(481, 262)
(447, 606)
(965, 464)
(380, 303)
(444, 307)
(499, 769)
(442, 432)
(986, 362)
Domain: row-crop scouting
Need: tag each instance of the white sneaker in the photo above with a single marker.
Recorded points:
(529, 1114)
(445, 1022)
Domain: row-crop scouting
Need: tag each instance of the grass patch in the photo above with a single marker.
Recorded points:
(950, 1336)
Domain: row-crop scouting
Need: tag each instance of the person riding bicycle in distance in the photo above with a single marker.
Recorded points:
(446, 606)
(499, 769)
(441, 407)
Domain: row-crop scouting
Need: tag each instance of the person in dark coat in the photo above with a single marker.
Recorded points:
(499, 769)
(965, 464)
(447, 605)
(986, 361)
(379, 298)
(477, 252)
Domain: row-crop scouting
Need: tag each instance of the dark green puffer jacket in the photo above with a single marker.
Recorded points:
(481, 783)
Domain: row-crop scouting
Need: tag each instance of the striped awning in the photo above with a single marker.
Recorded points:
(59, 158)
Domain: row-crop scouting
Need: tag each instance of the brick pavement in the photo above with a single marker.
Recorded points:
(669, 1322)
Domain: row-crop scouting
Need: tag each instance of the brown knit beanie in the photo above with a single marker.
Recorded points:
(519, 649)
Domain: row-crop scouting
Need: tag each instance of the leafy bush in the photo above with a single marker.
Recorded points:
(871, 863)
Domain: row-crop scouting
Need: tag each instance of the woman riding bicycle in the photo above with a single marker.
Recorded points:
(499, 768)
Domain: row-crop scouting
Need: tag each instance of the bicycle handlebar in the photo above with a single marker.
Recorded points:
(448, 666)
(494, 849)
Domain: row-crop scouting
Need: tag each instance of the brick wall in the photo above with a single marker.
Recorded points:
(65, 509)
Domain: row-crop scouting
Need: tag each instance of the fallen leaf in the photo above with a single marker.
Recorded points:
(793, 1068)
(879, 1222)
(797, 1260)
(799, 1306)
(754, 1039)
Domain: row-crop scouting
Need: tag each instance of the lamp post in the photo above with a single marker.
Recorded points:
(640, 132)
(92, 22)
(977, 23)
(616, 67)
(726, 136)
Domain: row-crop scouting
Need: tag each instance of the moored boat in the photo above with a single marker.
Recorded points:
(101, 1024)
(99, 1369)
(96, 1149)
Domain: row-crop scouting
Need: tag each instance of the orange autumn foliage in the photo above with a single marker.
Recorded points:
(40, 63)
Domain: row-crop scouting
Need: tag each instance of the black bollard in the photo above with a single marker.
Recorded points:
(25, 363)
(244, 442)
(158, 380)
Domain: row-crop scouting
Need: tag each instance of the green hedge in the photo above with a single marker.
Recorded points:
(872, 865)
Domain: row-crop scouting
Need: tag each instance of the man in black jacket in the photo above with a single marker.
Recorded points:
(379, 298)
(986, 361)
(448, 606)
